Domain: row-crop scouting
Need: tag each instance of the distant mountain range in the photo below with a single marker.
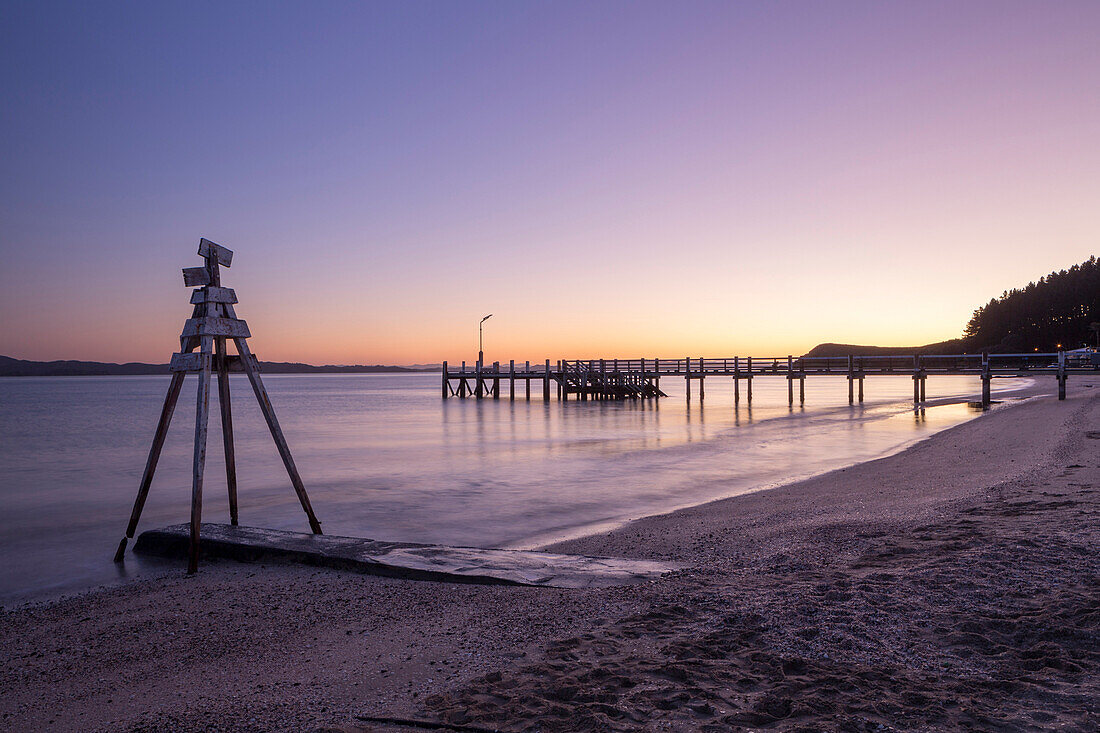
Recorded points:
(23, 368)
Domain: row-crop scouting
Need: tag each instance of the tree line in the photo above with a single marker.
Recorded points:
(1060, 311)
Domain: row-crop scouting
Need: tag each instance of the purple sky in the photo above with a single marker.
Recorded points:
(608, 179)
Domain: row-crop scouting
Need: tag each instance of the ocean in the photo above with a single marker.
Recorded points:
(383, 456)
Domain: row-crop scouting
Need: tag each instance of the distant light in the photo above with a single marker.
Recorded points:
(1036, 348)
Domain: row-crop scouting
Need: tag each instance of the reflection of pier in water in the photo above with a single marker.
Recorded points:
(618, 379)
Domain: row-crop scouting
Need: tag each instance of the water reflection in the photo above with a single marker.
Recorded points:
(383, 456)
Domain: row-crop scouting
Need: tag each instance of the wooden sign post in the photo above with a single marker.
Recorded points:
(212, 323)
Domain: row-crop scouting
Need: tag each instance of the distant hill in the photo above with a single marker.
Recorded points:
(22, 368)
(284, 367)
(954, 346)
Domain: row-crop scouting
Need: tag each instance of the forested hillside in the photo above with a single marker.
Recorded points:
(1059, 311)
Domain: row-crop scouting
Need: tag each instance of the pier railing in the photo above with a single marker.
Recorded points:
(762, 365)
(627, 378)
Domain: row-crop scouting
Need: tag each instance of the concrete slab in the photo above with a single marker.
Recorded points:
(404, 559)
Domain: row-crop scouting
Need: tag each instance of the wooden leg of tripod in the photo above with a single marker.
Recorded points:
(154, 456)
(202, 414)
(276, 431)
(227, 429)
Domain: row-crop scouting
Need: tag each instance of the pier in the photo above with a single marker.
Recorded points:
(621, 379)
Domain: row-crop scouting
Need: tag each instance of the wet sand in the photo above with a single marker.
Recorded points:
(953, 585)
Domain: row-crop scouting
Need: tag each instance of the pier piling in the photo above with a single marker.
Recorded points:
(987, 380)
(1061, 375)
(851, 381)
(748, 380)
(687, 376)
(617, 379)
(736, 382)
(790, 382)
(702, 377)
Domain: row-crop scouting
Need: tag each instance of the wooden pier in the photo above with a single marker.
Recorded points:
(620, 379)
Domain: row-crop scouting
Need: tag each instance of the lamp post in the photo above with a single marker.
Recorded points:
(480, 340)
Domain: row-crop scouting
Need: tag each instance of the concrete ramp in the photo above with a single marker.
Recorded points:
(404, 559)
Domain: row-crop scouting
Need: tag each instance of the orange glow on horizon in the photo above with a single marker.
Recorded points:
(717, 180)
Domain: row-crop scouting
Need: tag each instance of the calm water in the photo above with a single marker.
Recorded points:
(382, 456)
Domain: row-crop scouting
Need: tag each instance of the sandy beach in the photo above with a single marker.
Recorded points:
(951, 586)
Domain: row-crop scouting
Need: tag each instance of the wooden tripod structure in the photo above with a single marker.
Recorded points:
(212, 323)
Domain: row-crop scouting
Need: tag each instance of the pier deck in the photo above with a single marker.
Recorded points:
(617, 379)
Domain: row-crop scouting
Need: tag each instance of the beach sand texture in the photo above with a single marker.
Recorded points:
(954, 585)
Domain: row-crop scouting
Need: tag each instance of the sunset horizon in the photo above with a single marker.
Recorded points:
(530, 340)
(715, 180)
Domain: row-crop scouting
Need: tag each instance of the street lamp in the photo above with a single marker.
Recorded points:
(480, 340)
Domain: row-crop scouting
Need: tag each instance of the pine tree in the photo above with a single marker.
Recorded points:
(1057, 312)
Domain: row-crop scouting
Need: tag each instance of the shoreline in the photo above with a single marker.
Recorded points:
(1028, 394)
(950, 584)
(1009, 399)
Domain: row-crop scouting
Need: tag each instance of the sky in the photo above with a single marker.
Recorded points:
(607, 179)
